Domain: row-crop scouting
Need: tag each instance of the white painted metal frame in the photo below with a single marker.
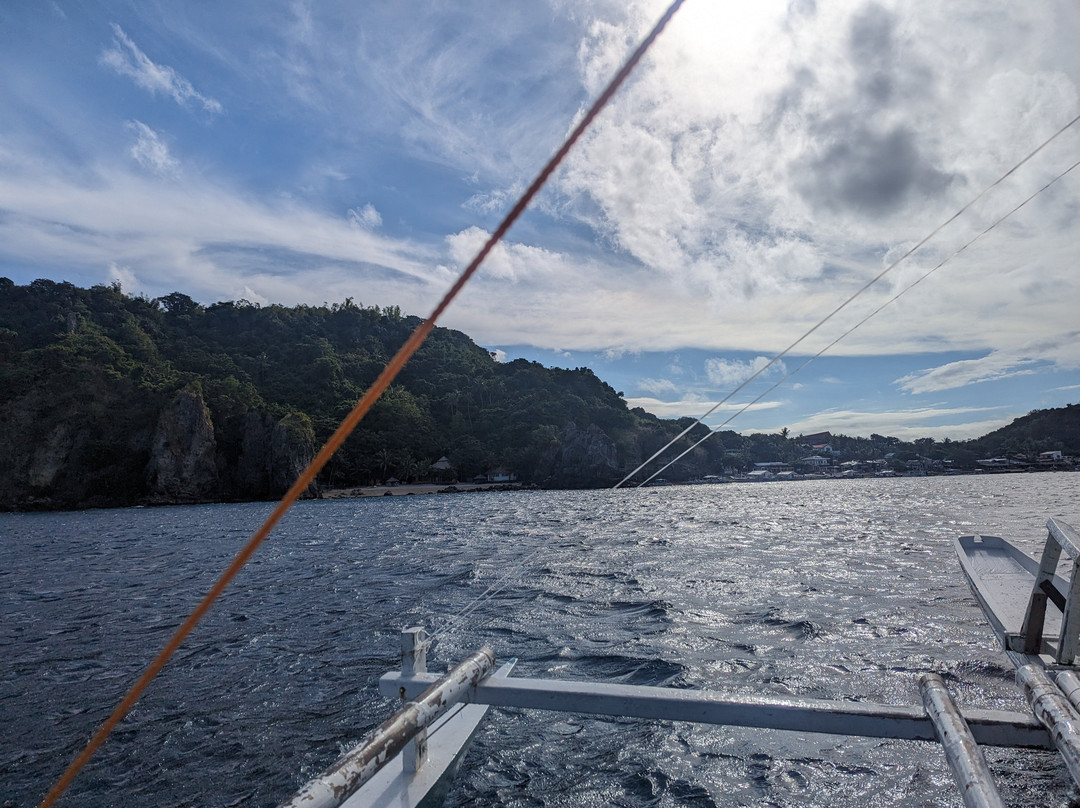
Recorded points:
(1060, 537)
(452, 705)
(469, 690)
(391, 739)
(1054, 710)
(964, 756)
(989, 727)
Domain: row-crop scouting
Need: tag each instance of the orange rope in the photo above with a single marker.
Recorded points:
(363, 406)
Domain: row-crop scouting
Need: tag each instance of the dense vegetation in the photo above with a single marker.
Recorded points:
(96, 386)
(101, 367)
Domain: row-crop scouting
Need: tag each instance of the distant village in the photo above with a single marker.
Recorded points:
(823, 462)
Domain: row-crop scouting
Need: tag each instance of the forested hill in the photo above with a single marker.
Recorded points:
(1039, 430)
(108, 399)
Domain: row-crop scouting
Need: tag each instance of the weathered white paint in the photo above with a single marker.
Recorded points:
(965, 758)
(361, 762)
(1055, 712)
(989, 727)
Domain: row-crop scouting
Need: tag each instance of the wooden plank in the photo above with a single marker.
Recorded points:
(1035, 616)
(1056, 597)
(1069, 637)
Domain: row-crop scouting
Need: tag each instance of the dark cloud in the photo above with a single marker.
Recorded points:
(865, 170)
(859, 159)
(872, 48)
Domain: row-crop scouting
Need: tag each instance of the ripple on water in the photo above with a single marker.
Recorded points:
(838, 590)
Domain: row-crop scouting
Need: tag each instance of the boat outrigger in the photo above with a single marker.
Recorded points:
(409, 759)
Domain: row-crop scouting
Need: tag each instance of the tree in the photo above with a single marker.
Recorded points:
(178, 304)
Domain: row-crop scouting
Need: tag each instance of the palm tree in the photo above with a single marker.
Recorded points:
(385, 458)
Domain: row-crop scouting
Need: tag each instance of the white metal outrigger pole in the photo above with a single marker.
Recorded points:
(363, 761)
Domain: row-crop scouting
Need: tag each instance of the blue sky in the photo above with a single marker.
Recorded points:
(767, 160)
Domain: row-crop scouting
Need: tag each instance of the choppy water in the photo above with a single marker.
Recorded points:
(843, 590)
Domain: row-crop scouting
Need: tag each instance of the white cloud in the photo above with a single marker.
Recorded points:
(366, 217)
(496, 201)
(150, 151)
(613, 353)
(906, 424)
(123, 275)
(693, 407)
(727, 373)
(965, 372)
(1001, 364)
(657, 386)
(773, 176)
(209, 240)
(127, 59)
(507, 261)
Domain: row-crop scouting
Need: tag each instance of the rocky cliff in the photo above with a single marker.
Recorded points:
(581, 457)
(273, 454)
(173, 455)
(183, 453)
(107, 399)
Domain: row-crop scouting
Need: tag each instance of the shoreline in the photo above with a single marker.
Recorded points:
(406, 489)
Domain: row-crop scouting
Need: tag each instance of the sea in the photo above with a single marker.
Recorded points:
(837, 589)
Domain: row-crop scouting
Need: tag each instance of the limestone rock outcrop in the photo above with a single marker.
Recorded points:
(273, 454)
(183, 452)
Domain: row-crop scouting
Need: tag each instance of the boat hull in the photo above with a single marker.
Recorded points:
(1001, 577)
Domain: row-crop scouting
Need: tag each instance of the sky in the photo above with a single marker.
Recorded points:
(766, 162)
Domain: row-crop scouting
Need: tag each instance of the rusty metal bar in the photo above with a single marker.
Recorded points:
(965, 757)
(1054, 712)
(361, 762)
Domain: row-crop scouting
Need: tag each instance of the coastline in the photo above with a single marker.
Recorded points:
(406, 489)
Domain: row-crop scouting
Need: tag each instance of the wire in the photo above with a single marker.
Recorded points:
(874, 313)
(515, 574)
(849, 300)
(363, 406)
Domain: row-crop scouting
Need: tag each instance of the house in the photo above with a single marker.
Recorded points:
(998, 463)
(1054, 460)
(773, 467)
(816, 461)
(816, 439)
(442, 469)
